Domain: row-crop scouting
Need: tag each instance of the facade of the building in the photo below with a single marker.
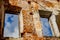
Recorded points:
(29, 19)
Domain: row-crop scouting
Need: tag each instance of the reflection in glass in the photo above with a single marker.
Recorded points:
(11, 26)
(46, 27)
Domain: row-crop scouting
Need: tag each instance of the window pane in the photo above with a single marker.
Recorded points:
(46, 27)
(11, 26)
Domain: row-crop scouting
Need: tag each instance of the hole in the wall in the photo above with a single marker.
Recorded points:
(31, 13)
(22, 34)
(29, 2)
(58, 0)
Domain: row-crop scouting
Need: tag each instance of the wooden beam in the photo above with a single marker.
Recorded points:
(11, 8)
(45, 14)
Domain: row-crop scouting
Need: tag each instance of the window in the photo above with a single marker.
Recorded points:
(11, 25)
(46, 27)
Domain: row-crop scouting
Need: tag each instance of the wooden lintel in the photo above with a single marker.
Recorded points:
(11, 8)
